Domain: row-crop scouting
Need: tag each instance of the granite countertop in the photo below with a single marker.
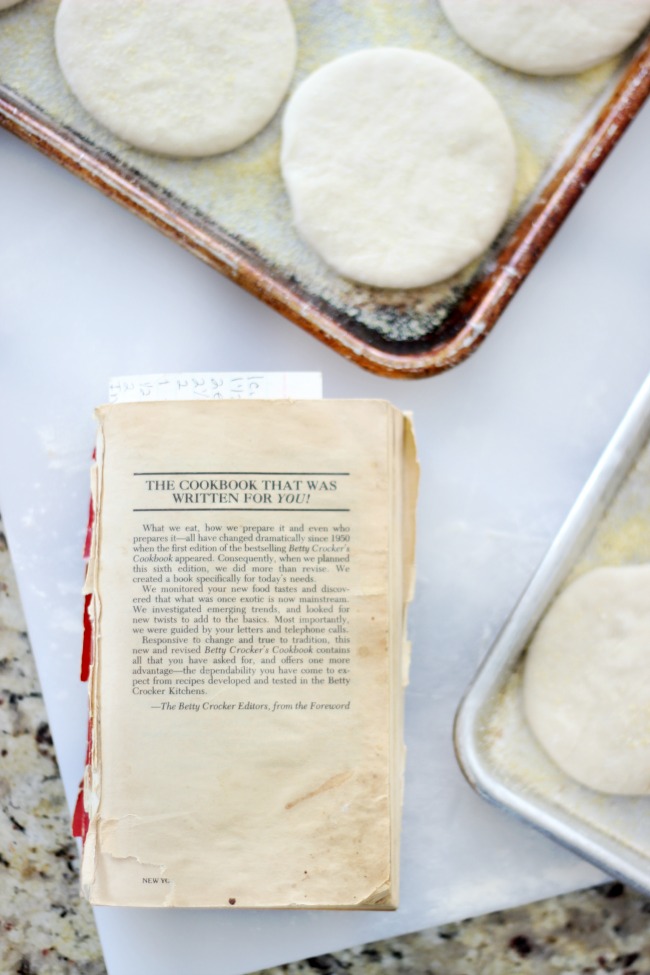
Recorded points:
(47, 930)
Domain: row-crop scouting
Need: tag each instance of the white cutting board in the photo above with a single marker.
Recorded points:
(87, 291)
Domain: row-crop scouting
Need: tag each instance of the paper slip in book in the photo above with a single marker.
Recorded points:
(249, 571)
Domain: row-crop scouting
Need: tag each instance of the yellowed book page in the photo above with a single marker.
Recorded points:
(245, 684)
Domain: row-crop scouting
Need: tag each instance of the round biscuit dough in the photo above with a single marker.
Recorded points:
(178, 77)
(400, 167)
(587, 680)
(548, 38)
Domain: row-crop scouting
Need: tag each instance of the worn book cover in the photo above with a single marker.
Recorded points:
(249, 571)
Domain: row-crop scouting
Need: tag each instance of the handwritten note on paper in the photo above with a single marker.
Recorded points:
(215, 385)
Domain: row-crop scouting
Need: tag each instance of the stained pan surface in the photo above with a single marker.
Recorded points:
(232, 210)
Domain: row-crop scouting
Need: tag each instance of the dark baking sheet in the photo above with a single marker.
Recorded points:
(232, 211)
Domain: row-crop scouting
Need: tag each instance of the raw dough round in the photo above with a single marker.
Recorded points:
(587, 680)
(560, 37)
(400, 167)
(178, 77)
(8, 3)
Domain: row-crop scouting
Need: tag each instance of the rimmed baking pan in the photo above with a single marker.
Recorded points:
(609, 524)
(233, 213)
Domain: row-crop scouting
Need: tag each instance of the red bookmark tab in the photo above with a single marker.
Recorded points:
(89, 530)
(80, 818)
(87, 645)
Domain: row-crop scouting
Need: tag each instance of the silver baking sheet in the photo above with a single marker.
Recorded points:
(608, 525)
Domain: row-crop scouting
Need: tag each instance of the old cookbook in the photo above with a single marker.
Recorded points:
(249, 571)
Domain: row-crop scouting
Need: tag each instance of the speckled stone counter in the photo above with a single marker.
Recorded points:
(45, 929)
